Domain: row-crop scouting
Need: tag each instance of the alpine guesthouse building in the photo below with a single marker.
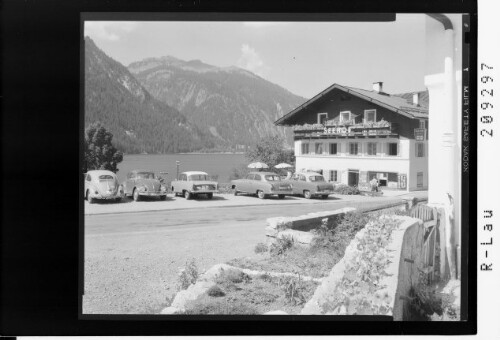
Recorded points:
(353, 135)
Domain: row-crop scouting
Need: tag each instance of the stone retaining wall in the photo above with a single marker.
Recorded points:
(299, 227)
(405, 258)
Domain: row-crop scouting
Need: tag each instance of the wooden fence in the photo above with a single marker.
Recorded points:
(429, 217)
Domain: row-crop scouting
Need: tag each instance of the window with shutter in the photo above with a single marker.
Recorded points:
(370, 116)
(353, 148)
(419, 150)
(333, 148)
(393, 149)
(372, 149)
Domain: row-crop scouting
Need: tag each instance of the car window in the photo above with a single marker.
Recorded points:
(316, 178)
(145, 175)
(198, 178)
(272, 178)
(251, 176)
(302, 178)
(257, 178)
(105, 177)
(87, 177)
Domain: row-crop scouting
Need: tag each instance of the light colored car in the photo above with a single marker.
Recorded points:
(310, 184)
(144, 183)
(263, 184)
(193, 183)
(101, 185)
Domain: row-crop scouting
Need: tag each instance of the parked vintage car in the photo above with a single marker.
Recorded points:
(263, 184)
(144, 183)
(102, 185)
(310, 184)
(193, 183)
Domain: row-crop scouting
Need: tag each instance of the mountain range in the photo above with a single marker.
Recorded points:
(165, 105)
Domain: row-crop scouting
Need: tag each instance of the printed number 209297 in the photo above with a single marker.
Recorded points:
(485, 105)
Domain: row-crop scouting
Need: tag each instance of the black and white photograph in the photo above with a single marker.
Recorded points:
(274, 167)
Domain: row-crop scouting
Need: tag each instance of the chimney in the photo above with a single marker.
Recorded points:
(377, 87)
(416, 99)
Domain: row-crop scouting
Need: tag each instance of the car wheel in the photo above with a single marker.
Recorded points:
(188, 195)
(261, 194)
(90, 199)
(163, 197)
(210, 196)
(324, 197)
(281, 197)
(307, 194)
(136, 195)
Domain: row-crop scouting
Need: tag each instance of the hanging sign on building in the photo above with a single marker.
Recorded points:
(420, 134)
(356, 131)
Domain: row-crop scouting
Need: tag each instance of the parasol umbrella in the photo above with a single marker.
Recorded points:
(283, 166)
(258, 165)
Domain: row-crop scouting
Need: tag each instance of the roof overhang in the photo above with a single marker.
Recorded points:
(282, 120)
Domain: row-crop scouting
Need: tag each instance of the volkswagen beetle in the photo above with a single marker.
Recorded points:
(102, 185)
(144, 183)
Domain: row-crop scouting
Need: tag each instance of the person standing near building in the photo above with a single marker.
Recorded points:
(374, 184)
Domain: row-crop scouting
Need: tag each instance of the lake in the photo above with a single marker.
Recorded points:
(213, 164)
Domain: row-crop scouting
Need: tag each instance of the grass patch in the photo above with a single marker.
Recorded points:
(256, 295)
(215, 291)
(261, 248)
(315, 262)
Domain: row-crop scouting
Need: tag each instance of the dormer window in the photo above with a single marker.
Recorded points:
(322, 117)
(370, 116)
(345, 116)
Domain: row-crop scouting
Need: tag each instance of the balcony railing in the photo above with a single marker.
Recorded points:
(345, 129)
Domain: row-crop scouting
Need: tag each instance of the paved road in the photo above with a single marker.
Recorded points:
(132, 260)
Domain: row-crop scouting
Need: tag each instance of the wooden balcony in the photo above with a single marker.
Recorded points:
(319, 131)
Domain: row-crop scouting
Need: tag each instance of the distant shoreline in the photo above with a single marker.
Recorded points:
(210, 153)
(185, 153)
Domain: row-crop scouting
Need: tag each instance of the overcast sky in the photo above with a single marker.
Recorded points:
(303, 57)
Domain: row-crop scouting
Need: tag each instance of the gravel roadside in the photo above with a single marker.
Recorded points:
(132, 260)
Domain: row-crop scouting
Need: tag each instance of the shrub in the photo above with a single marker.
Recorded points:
(293, 286)
(423, 301)
(339, 236)
(239, 172)
(188, 275)
(206, 305)
(266, 277)
(215, 291)
(232, 276)
(281, 245)
(261, 248)
(344, 189)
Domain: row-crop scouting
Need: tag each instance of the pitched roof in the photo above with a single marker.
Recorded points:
(400, 103)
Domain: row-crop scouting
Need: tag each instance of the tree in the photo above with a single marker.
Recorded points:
(271, 150)
(99, 153)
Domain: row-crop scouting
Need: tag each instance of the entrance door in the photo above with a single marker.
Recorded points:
(353, 178)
